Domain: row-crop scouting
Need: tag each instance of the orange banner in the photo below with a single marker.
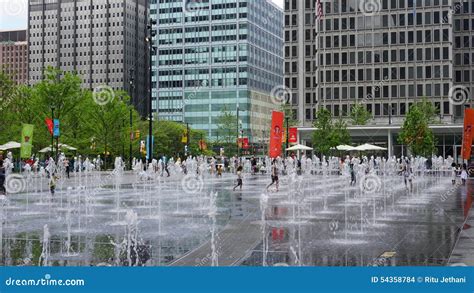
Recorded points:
(293, 135)
(276, 134)
(467, 136)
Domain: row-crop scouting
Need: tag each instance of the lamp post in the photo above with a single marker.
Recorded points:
(287, 132)
(238, 131)
(151, 49)
(52, 131)
(132, 89)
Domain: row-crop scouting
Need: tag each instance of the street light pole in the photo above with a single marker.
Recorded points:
(132, 89)
(238, 131)
(151, 34)
(52, 131)
(287, 140)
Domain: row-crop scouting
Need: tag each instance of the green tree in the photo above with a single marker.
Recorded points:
(329, 134)
(360, 115)
(415, 132)
(286, 108)
(227, 131)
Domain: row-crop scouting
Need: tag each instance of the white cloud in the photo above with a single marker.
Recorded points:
(278, 2)
(13, 14)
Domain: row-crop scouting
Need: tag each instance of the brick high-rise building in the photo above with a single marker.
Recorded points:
(14, 55)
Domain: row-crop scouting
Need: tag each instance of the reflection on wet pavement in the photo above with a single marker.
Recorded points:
(312, 220)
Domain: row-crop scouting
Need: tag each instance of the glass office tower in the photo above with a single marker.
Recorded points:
(216, 55)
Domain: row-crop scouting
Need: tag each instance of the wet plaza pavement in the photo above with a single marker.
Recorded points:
(313, 220)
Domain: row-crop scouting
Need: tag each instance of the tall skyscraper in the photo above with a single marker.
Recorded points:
(14, 55)
(215, 55)
(102, 40)
(384, 55)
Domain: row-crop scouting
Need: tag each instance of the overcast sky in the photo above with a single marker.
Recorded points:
(14, 13)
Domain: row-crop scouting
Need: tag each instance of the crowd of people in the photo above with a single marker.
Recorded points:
(353, 168)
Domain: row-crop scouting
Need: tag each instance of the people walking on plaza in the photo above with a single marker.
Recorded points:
(66, 166)
(353, 175)
(239, 177)
(274, 175)
(408, 178)
(464, 174)
(454, 173)
(2, 178)
(254, 165)
(52, 184)
(219, 171)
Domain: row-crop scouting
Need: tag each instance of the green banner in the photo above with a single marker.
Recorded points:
(26, 141)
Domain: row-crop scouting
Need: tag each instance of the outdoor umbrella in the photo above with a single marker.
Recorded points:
(369, 147)
(61, 146)
(10, 145)
(299, 147)
(344, 147)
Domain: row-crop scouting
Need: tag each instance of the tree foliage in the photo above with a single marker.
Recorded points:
(360, 115)
(415, 133)
(93, 128)
(329, 133)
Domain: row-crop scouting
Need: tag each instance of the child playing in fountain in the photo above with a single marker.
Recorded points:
(274, 175)
(239, 177)
(52, 184)
(464, 174)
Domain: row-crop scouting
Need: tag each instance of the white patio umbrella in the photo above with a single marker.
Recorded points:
(369, 147)
(344, 147)
(61, 146)
(299, 147)
(10, 145)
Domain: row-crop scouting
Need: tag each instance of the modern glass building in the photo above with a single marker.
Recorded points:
(384, 55)
(214, 55)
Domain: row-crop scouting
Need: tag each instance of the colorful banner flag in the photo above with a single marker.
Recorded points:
(49, 124)
(26, 140)
(56, 128)
(276, 133)
(467, 136)
(293, 135)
